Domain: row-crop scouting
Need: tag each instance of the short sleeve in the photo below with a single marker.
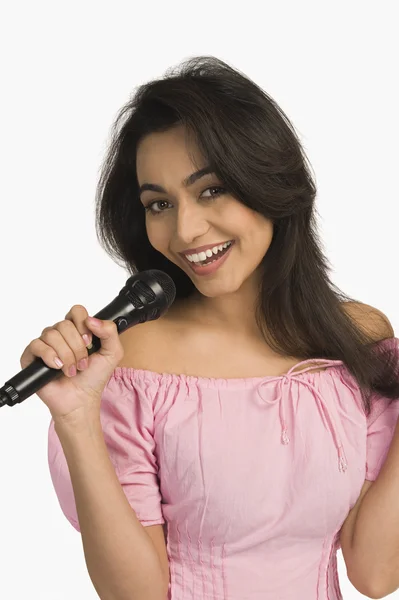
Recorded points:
(381, 424)
(380, 431)
(128, 425)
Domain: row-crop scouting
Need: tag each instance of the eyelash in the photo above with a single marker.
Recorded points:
(149, 208)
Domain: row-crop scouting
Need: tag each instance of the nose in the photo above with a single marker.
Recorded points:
(191, 222)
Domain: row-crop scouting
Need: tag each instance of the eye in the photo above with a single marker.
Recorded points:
(219, 191)
(150, 208)
(214, 188)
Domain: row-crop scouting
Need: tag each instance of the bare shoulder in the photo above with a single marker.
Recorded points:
(372, 320)
(148, 345)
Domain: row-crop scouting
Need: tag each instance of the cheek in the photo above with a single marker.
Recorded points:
(157, 236)
(249, 225)
(241, 218)
(258, 232)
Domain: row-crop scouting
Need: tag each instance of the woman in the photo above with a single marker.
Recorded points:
(221, 451)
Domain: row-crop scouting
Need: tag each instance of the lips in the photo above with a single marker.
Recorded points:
(204, 248)
(212, 267)
(214, 257)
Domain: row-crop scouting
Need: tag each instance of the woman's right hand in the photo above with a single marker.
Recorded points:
(73, 398)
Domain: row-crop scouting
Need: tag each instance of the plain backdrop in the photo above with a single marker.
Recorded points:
(66, 69)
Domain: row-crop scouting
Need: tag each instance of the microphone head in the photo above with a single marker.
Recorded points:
(166, 283)
(152, 291)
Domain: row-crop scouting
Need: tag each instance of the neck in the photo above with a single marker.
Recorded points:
(232, 313)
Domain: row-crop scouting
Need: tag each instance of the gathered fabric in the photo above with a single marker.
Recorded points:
(252, 477)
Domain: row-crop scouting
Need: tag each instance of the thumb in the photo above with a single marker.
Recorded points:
(107, 332)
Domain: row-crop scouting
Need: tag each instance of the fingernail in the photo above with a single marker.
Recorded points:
(94, 321)
(58, 362)
(82, 364)
(86, 339)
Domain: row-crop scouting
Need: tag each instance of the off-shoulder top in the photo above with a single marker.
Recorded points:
(253, 477)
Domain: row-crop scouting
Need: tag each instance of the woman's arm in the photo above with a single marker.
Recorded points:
(122, 559)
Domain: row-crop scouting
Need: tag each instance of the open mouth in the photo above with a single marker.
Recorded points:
(210, 259)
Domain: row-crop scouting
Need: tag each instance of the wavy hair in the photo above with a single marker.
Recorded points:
(254, 150)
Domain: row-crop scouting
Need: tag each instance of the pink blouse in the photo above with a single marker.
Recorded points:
(254, 476)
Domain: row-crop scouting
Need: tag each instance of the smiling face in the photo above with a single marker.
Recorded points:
(187, 209)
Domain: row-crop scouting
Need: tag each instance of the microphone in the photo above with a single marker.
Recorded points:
(144, 297)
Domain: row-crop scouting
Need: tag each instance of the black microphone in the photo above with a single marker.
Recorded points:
(145, 297)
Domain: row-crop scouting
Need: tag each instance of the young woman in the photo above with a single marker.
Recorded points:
(222, 451)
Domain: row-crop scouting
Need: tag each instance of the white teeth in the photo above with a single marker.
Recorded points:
(207, 254)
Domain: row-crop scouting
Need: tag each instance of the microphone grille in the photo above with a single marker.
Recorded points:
(166, 283)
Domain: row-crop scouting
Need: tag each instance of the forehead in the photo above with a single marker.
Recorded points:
(171, 150)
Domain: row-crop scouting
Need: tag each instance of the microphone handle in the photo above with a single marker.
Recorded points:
(36, 375)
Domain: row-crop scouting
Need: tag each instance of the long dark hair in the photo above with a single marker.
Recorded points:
(253, 148)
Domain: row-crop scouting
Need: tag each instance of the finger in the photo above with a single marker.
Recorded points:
(38, 348)
(75, 341)
(53, 338)
(107, 332)
(78, 314)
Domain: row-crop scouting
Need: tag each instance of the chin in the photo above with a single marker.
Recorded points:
(216, 289)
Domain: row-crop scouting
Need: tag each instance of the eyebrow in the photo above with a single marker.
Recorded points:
(190, 180)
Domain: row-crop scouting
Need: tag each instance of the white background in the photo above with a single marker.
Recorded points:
(66, 69)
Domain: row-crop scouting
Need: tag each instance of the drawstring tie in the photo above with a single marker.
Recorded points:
(285, 381)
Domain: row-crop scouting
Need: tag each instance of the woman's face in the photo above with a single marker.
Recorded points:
(185, 216)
